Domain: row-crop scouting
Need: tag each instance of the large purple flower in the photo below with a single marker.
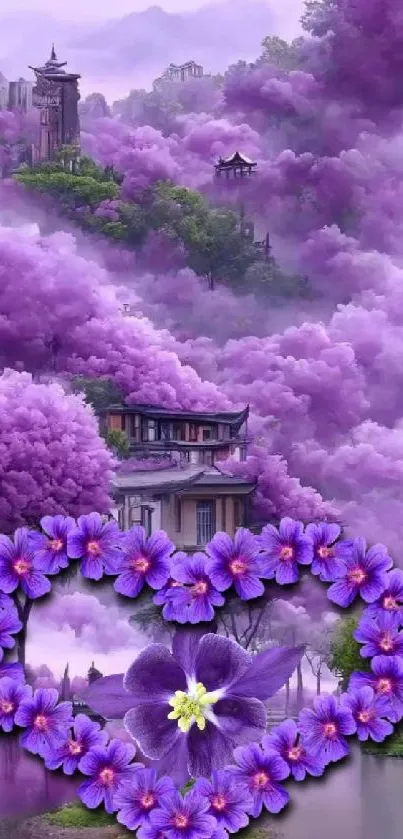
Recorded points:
(261, 772)
(10, 625)
(368, 711)
(325, 727)
(96, 544)
(391, 599)
(365, 574)
(142, 560)
(328, 554)
(284, 740)
(12, 693)
(386, 680)
(45, 721)
(379, 635)
(200, 593)
(85, 735)
(235, 563)
(191, 707)
(51, 545)
(19, 567)
(230, 800)
(108, 767)
(284, 549)
(184, 817)
(136, 798)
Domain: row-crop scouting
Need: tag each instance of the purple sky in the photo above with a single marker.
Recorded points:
(102, 10)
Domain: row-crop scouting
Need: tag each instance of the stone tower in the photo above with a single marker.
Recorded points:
(56, 95)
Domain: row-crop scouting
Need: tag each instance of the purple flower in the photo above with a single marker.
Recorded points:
(391, 599)
(51, 546)
(261, 772)
(328, 554)
(46, 721)
(191, 707)
(364, 575)
(235, 562)
(284, 740)
(324, 728)
(386, 680)
(85, 735)
(201, 594)
(142, 560)
(12, 693)
(283, 550)
(175, 600)
(13, 671)
(230, 800)
(138, 797)
(379, 635)
(18, 566)
(183, 817)
(148, 831)
(107, 767)
(96, 544)
(10, 625)
(368, 710)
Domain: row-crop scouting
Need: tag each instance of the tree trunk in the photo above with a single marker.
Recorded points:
(24, 613)
(210, 280)
(318, 683)
(300, 688)
(287, 697)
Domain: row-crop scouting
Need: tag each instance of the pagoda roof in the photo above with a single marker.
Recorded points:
(54, 68)
(177, 480)
(233, 418)
(235, 159)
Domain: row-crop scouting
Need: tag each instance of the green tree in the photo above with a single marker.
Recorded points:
(73, 191)
(278, 52)
(318, 16)
(100, 393)
(345, 651)
(118, 442)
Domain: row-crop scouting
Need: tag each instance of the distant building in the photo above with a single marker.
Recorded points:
(20, 95)
(180, 73)
(235, 166)
(56, 95)
(184, 493)
(4, 89)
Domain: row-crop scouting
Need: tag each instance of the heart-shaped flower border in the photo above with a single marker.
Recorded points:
(189, 589)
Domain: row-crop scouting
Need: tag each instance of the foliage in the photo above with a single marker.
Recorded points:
(52, 458)
(76, 815)
(72, 190)
(118, 442)
(345, 651)
(278, 52)
(315, 18)
(100, 393)
(391, 747)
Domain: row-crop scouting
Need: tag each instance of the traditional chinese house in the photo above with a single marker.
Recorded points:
(178, 486)
(235, 166)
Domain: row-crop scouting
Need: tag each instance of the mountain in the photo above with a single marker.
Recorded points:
(129, 52)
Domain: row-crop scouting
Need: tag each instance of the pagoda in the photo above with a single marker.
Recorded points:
(235, 166)
(56, 95)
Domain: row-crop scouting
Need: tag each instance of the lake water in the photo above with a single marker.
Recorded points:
(361, 799)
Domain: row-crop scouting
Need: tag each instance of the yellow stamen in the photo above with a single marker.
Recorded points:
(191, 707)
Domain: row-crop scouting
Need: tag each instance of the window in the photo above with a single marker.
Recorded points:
(179, 431)
(206, 457)
(193, 433)
(178, 514)
(210, 433)
(146, 519)
(134, 426)
(205, 521)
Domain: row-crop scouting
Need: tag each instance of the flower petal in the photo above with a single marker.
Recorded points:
(149, 725)
(219, 661)
(241, 720)
(209, 749)
(269, 671)
(108, 697)
(184, 647)
(154, 676)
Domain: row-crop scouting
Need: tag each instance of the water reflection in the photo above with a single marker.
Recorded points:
(359, 800)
